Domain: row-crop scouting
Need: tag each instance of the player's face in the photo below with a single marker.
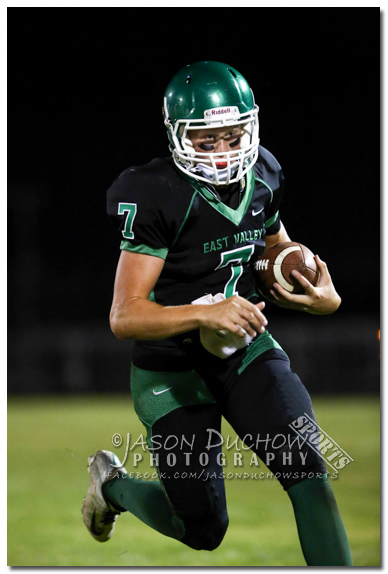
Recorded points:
(217, 140)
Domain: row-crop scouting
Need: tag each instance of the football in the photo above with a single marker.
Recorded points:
(277, 263)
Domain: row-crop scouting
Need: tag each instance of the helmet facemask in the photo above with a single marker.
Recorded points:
(202, 166)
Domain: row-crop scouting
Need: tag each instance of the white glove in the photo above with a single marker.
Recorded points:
(222, 343)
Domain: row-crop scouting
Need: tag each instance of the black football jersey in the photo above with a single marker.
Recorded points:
(208, 246)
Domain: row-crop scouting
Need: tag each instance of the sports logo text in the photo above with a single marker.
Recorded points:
(317, 439)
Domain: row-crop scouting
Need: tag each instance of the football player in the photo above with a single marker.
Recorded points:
(190, 227)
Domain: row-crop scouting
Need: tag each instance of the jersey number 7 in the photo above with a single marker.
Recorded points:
(131, 208)
(235, 257)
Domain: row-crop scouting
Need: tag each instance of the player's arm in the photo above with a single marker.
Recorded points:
(322, 299)
(278, 237)
(134, 316)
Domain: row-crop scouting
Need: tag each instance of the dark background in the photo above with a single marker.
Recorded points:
(85, 90)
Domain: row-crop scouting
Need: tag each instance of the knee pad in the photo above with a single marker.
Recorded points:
(208, 534)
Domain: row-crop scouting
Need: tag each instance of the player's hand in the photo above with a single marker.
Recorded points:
(322, 299)
(235, 314)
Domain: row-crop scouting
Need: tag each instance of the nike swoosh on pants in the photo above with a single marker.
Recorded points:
(160, 392)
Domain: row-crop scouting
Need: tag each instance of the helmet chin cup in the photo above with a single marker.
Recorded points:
(216, 176)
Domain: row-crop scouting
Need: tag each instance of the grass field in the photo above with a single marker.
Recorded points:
(49, 440)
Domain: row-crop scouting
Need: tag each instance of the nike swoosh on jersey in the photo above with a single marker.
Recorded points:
(254, 213)
(160, 392)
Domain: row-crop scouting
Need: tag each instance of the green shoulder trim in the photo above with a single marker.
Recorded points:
(127, 246)
(185, 218)
(266, 185)
(271, 221)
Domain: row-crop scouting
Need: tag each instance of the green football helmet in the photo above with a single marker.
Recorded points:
(209, 95)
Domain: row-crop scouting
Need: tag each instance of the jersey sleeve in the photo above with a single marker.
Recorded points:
(139, 204)
(272, 174)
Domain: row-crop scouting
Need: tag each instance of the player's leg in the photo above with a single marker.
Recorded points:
(112, 491)
(264, 400)
(193, 480)
(321, 530)
(188, 502)
(146, 500)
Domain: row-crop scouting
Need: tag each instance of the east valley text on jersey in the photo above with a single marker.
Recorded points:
(207, 246)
